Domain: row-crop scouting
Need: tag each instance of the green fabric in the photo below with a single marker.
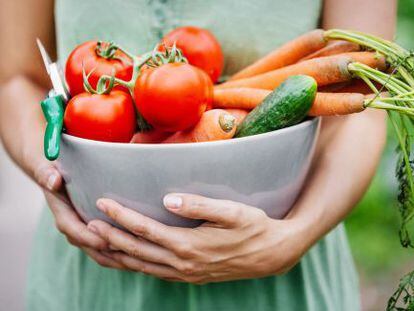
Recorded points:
(62, 278)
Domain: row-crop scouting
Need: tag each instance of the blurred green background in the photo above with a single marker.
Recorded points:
(374, 223)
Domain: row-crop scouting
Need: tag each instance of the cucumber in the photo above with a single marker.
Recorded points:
(285, 106)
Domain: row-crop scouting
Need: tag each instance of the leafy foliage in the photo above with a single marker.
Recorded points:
(403, 298)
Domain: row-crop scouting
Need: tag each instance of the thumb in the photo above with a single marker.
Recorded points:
(47, 175)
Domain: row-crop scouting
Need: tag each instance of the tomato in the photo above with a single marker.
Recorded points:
(173, 97)
(88, 54)
(200, 47)
(108, 118)
(209, 92)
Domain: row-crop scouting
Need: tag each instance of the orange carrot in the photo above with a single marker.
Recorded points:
(287, 54)
(333, 48)
(368, 58)
(325, 70)
(245, 98)
(325, 104)
(332, 104)
(239, 114)
(354, 86)
(215, 124)
(149, 137)
(336, 87)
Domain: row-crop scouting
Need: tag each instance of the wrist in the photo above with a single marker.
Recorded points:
(303, 232)
(290, 237)
(32, 153)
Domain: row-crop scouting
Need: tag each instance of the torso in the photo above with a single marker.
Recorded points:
(63, 278)
(245, 29)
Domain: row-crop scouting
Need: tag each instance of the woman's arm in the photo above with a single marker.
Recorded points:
(240, 241)
(23, 80)
(349, 147)
(23, 84)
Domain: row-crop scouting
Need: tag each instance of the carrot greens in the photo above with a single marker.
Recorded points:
(399, 84)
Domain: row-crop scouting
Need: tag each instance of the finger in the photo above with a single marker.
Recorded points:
(133, 246)
(47, 176)
(141, 225)
(157, 270)
(227, 213)
(103, 260)
(69, 223)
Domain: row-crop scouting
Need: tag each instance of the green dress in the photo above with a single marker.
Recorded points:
(63, 278)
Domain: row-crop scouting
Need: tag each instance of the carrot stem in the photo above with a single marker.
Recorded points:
(227, 122)
(397, 99)
(404, 94)
(399, 57)
(404, 151)
(379, 104)
(386, 80)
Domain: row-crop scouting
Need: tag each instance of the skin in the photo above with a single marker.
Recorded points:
(212, 252)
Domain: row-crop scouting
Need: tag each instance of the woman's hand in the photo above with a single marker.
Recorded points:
(66, 219)
(236, 242)
(69, 224)
(21, 129)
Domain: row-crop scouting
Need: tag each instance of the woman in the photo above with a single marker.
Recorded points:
(299, 263)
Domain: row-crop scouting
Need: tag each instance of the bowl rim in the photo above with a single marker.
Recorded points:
(84, 141)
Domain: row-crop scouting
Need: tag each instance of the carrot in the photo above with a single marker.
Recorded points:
(325, 70)
(336, 87)
(354, 86)
(150, 137)
(287, 54)
(332, 104)
(325, 104)
(368, 58)
(215, 124)
(255, 96)
(333, 48)
(245, 98)
(239, 114)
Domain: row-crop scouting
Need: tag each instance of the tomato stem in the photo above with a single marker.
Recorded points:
(117, 81)
(106, 50)
(104, 86)
(125, 51)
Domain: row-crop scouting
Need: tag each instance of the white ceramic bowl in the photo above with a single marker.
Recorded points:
(266, 171)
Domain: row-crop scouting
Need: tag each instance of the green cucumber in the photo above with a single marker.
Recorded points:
(287, 105)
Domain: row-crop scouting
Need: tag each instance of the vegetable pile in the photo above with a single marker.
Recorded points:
(170, 91)
(168, 95)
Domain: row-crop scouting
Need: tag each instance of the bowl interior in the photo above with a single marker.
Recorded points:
(283, 131)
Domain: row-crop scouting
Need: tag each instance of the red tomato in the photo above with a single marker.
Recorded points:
(101, 117)
(172, 97)
(209, 92)
(200, 47)
(87, 55)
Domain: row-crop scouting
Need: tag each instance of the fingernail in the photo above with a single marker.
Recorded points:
(172, 201)
(51, 182)
(93, 228)
(101, 205)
